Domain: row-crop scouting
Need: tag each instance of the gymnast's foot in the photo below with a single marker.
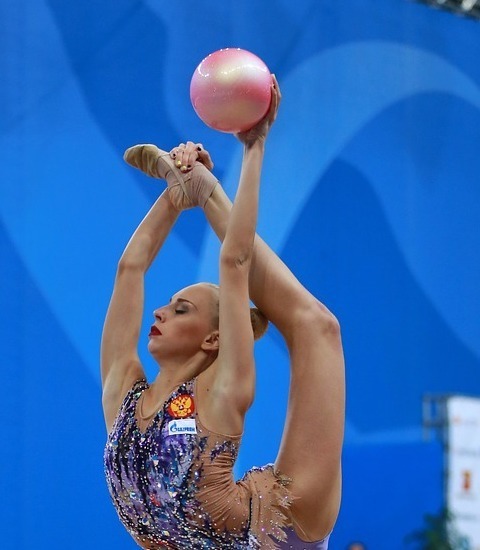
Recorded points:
(185, 189)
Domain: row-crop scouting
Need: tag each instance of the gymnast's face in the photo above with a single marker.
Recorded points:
(185, 325)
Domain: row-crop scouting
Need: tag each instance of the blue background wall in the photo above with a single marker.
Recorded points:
(370, 194)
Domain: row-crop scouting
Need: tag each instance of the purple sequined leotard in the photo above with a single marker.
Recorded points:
(173, 485)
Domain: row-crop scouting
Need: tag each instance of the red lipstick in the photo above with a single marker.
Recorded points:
(154, 331)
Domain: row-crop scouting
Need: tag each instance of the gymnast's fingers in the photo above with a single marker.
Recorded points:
(190, 155)
(177, 154)
(204, 156)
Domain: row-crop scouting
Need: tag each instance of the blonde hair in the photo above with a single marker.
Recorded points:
(259, 323)
(258, 319)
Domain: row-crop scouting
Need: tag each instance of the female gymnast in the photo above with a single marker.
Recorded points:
(172, 444)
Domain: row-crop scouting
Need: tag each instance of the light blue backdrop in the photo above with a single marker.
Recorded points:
(370, 193)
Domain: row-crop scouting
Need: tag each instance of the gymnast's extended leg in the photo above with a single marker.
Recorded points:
(311, 445)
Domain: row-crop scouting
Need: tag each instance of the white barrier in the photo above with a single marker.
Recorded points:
(463, 467)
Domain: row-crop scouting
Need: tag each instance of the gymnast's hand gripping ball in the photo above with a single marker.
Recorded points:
(230, 90)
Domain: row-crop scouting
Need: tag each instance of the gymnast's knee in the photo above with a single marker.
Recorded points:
(317, 319)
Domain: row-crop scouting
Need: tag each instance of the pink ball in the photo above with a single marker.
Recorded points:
(230, 90)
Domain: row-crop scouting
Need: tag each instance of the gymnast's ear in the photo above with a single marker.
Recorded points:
(212, 341)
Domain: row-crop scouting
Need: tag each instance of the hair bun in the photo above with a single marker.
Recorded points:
(259, 322)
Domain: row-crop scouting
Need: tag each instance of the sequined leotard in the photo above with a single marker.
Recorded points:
(173, 485)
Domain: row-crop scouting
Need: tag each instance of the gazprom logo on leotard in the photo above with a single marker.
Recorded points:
(182, 426)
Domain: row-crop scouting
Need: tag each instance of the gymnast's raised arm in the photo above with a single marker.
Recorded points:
(234, 378)
(120, 364)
